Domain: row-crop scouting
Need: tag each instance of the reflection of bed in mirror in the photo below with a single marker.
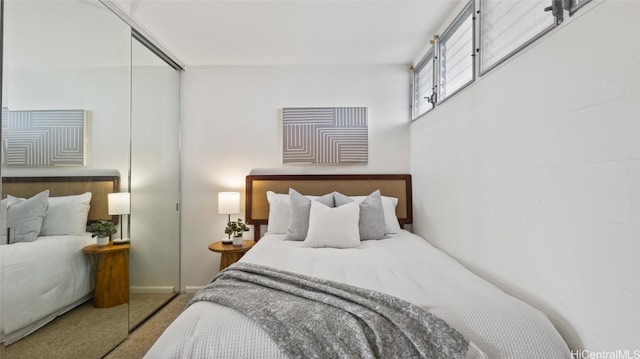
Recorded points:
(50, 275)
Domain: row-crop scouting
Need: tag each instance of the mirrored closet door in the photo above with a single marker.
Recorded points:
(65, 114)
(155, 225)
(75, 60)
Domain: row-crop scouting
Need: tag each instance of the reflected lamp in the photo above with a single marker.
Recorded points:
(119, 204)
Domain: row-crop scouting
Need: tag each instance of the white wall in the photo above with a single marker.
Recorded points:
(531, 176)
(231, 119)
(71, 69)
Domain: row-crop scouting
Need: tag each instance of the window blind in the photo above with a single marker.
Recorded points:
(507, 26)
(456, 55)
(423, 85)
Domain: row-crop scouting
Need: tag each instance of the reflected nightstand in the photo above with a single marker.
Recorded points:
(112, 274)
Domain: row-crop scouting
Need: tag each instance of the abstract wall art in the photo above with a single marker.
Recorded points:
(325, 135)
(41, 138)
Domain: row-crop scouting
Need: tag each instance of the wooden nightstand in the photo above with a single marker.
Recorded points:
(112, 275)
(230, 253)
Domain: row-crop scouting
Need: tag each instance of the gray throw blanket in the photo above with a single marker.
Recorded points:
(315, 318)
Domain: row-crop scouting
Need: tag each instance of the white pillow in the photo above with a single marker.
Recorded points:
(279, 212)
(335, 227)
(66, 215)
(390, 219)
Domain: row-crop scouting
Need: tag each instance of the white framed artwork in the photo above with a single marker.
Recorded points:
(318, 135)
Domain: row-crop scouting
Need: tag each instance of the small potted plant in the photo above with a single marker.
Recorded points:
(102, 230)
(236, 229)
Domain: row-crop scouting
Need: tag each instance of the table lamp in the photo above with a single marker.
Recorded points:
(119, 204)
(228, 203)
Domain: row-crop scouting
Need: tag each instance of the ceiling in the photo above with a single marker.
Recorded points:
(292, 32)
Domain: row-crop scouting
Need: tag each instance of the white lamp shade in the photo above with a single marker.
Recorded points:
(228, 202)
(119, 203)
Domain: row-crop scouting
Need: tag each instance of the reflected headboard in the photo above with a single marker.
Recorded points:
(391, 185)
(99, 186)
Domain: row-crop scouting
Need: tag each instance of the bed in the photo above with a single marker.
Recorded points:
(49, 275)
(401, 265)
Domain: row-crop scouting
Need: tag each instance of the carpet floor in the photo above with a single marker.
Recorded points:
(140, 340)
(87, 332)
(142, 305)
(84, 332)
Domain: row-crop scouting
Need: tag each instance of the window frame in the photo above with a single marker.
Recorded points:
(468, 10)
(474, 9)
(570, 5)
(430, 56)
(522, 46)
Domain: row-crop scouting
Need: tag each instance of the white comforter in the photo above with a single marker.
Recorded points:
(41, 280)
(405, 266)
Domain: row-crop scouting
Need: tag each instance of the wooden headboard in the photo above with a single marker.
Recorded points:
(99, 186)
(391, 185)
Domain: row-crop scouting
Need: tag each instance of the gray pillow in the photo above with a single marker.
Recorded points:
(300, 208)
(371, 224)
(25, 217)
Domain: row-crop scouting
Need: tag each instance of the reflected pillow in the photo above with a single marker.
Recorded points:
(4, 204)
(3, 221)
(66, 215)
(300, 207)
(25, 216)
(333, 227)
(371, 223)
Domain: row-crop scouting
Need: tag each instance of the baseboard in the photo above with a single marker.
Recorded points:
(192, 289)
(153, 290)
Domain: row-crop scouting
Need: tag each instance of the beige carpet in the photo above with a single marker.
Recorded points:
(142, 305)
(90, 333)
(139, 341)
(84, 332)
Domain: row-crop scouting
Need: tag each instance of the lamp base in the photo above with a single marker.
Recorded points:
(120, 240)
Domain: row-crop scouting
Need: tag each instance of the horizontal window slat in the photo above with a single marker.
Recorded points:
(507, 25)
(456, 48)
